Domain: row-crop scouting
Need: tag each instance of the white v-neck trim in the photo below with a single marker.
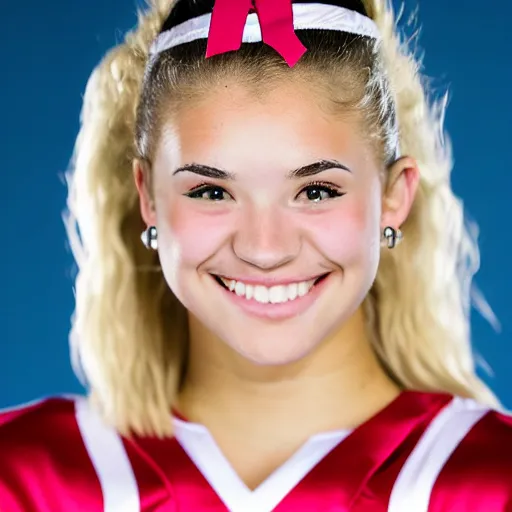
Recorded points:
(202, 449)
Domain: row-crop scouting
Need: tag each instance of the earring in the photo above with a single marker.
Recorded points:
(149, 238)
(391, 237)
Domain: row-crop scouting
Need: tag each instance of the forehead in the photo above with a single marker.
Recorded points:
(285, 125)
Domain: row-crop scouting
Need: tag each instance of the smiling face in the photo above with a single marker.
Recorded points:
(269, 216)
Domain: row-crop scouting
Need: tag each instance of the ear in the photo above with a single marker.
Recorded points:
(141, 177)
(400, 191)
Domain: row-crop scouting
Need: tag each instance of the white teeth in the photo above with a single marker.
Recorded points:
(240, 288)
(261, 294)
(293, 291)
(303, 289)
(278, 294)
(275, 294)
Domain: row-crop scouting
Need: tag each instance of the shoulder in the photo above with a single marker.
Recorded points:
(41, 408)
(41, 446)
(470, 452)
(486, 449)
(43, 422)
(27, 429)
(483, 440)
(462, 460)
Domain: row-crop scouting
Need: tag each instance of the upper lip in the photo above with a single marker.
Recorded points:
(271, 281)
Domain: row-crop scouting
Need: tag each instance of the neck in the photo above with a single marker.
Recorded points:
(338, 386)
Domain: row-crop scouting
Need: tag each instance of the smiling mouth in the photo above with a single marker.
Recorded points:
(278, 294)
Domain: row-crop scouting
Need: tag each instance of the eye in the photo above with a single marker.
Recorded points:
(208, 193)
(318, 192)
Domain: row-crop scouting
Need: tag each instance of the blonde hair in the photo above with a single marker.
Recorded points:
(129, 331)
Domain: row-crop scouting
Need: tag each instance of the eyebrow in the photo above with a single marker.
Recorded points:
(302, 172)
(317, 167)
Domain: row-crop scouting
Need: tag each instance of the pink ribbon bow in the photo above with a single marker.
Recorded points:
(276, 22)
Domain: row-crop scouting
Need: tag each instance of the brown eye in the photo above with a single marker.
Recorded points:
(208, 193)
(318, 193)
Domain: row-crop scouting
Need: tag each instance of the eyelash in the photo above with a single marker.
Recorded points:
(332, 190)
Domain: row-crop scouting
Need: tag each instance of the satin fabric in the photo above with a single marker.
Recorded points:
(45, 466)
(276, 21)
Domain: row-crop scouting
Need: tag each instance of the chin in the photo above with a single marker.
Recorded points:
(265, 342)
(274, 347)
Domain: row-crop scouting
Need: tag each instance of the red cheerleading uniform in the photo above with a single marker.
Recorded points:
(423, 453)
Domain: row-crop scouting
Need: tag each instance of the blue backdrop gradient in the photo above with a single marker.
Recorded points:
(48, 50)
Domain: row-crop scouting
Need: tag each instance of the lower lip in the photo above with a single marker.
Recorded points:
(279, 311)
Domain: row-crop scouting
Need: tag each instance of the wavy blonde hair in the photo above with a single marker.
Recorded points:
(129, 332)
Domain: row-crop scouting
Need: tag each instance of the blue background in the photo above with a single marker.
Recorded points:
(48, 50)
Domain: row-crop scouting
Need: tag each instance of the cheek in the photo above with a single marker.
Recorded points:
(350, 233)
(189, 236)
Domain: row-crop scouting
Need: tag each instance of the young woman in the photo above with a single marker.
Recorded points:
(274, 346)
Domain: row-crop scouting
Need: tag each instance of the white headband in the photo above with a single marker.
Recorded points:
(305, 17)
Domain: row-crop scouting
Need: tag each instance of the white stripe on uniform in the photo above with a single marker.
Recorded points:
(109, 458)
(413, 487)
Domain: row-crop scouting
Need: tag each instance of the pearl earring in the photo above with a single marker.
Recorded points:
(391, 237)
(149, 238)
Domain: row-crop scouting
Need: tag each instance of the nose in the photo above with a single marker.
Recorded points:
(266, 238)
